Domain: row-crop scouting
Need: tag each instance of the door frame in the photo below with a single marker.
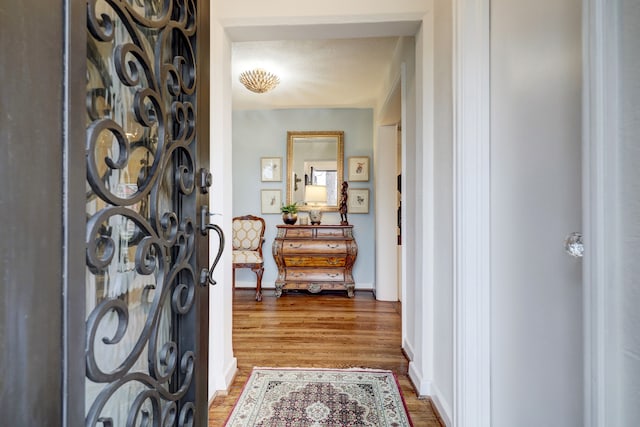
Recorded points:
(600, 138)
(74, 212)
(472, 216)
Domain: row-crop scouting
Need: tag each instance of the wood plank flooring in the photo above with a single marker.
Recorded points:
(326, 330)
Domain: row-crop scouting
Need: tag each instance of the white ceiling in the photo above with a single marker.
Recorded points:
(314, 73)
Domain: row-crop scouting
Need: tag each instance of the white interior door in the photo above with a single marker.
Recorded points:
(536, 288)
(386, 196)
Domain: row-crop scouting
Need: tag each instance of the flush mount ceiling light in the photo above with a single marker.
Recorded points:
(259, 80)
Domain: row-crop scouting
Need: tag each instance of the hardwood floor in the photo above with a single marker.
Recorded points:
(326, 330)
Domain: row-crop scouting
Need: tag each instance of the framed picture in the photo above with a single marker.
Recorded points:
(270, 201)
(271, 168)
(358, 200)
(358, 168)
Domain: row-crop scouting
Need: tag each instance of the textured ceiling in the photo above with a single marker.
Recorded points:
(315, 73)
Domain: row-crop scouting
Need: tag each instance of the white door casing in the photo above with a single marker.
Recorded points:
(472, 278)
(610, 159)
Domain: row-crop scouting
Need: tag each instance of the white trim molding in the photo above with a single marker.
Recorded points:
(421, 384)
(403, 212)
(472, 255)
(444, 410)
(425, 214)
(600, 138)
(408, 349)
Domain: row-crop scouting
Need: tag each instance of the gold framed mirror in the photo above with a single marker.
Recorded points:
(315, 169)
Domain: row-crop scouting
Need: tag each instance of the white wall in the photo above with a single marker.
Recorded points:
(536, 293)
(430, 299)
(404, 57)
(415, 55)
(222, 363)
(263, 133)
(443, 205)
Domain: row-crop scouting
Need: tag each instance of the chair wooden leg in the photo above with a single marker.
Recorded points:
(233, 281)
(258, 271)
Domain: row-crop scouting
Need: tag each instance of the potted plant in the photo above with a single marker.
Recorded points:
(289, 213)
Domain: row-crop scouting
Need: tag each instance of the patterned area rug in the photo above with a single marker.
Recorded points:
(291, 397)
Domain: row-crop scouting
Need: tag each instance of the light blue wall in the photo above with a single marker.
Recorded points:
(263, 133)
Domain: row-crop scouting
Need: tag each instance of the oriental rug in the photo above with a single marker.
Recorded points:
(292, 397)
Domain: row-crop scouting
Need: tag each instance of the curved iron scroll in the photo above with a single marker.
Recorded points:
(140, 240)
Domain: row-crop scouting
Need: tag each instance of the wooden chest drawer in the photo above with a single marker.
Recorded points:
(292, 233)
(315, 274)
(330, 232)
(314, 247)
(315, 261)
(315, 258)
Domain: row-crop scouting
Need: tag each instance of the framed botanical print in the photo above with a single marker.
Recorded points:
(358, 168)
(358, 200)
(271, 169)
(270, 201)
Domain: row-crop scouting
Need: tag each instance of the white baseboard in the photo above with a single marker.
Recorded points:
(408, 350)
(423, 387)
(426, 388)
(442, 406)
(228, 376)
(230, 372)
(213, 397)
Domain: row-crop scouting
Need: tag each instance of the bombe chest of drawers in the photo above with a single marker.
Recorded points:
(315, 258)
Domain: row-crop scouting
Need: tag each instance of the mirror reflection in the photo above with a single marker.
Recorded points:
(315, 169)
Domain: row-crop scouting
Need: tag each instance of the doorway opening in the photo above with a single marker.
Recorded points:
(307, 117)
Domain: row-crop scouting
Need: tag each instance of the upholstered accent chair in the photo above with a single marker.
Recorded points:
(248, 237)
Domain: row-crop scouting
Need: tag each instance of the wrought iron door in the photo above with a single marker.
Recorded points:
(145, 306)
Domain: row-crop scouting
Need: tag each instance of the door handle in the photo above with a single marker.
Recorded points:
(206, 275)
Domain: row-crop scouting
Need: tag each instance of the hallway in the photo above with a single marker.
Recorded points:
(323, 331)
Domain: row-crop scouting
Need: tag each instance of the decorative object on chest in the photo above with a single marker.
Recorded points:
(289, 213)
(315, 258)
(315, 196)
(344, 197)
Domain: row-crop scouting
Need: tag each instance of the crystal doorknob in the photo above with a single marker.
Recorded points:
(573, 245)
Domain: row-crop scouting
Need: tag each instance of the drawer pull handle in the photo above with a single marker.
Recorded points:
(332, 245)
(298, 245)
(333, 275)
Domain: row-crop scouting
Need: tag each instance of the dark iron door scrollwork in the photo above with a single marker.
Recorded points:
(142, 283)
